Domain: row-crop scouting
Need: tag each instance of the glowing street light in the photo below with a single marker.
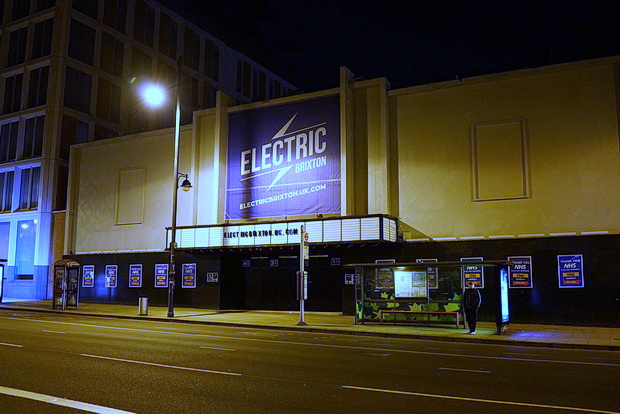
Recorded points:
(155, 96)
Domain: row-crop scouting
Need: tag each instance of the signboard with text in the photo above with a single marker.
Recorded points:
(161, 275)
(473, 273)
(520, 273)
(111, 276)
(284, 160)
(189, 275)
(570, 271)
(88, 276)
(135, 275)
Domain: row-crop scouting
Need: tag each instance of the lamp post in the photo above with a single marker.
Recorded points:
(154, 95)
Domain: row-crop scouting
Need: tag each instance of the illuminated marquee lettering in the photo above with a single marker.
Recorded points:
(260, 233)
(292, 148)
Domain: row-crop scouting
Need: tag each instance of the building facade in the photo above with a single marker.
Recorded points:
(521, 165)
(69, 72)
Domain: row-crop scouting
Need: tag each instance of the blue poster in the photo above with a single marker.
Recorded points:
(570, 271)
(161, 275)
(111, 276)
(284, 160)
(88, 276)
(189, 275)
(472, 273)
(520, 272)
(135, 275)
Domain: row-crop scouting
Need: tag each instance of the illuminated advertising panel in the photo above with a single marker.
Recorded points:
(473, 273)
(88, 276)
(189, 275)
(161, 275)
(135, 275)
(284, 160)
(111, 276)
(520, 272)
(431, 272)
(570, 271)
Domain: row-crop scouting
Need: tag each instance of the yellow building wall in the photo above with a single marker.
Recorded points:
(565, 161)
(96, 219)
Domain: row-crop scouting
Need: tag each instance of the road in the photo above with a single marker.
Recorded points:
(70, 364)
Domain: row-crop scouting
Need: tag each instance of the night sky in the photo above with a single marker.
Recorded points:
(410, 42)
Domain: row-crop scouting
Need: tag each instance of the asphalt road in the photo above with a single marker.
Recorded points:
(53, 363)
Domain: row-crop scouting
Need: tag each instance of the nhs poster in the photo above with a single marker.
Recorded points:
(284, 160)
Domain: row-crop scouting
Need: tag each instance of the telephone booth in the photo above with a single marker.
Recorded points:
(66, 283)
(2, 262)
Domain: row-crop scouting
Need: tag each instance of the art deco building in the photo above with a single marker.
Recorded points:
(68, 70)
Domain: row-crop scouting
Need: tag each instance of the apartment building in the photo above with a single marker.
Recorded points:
(69, 71)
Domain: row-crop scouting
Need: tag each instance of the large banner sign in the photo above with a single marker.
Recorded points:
(284, 160)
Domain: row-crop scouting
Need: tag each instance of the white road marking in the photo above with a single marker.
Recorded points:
(217, 349)
(361, 348)
(466, 370)
(15, 345)
(520, 353)
(162, 365)
(481, 400)
(61, 401)
(58, 332)
(375, 354)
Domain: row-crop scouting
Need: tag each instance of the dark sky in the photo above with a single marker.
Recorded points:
(409, 42)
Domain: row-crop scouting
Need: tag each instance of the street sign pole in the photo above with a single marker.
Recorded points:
(302, 279)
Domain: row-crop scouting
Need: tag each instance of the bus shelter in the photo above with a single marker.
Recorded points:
(430, 293)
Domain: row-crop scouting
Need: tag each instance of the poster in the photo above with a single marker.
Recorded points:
(570, 271)
(284, 160)
(410, 284)
(135, 275)
(189, 275)
(212, 277)
(88, 276)
(431, 272)
(473, 273)
(161, 275)
(384, 277)
(520, 273)
(111, 276)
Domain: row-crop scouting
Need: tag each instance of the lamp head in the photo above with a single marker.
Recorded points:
(153, 95)
(186, 185)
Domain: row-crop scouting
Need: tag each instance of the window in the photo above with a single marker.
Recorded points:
(6, 191)
(144, 23)
(192, 49)
(88, 7)
(33, 137)
(37, 90)
(77, 90)
(17, 46)
(239, 84)
(141, 63)
(275, 89)
(82, 42)
(73, 131)
(13, 93)
(102, 132)
(108, 101)
(246, 79)
(21, 8)
(45, 4)
(29, 189)
(112, 51)
(8, 141)
(208, 96)
(211, 60)
(168, 34)
(115, 14)
(24, 252)
(42, 43)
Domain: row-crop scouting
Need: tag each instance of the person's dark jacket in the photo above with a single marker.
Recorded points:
(471, 299)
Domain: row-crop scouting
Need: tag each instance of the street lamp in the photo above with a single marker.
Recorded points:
(154, 96)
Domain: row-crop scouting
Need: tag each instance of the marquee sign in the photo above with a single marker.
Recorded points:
(284, 160)
(370, 228)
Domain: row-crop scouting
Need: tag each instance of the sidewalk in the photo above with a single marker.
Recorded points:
(574, 337)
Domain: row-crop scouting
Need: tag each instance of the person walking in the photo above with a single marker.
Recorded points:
(471, 303)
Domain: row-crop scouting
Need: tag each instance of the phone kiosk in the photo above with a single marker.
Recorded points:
(66, 284)
(2, 262)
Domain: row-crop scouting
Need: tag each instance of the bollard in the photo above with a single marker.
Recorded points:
(143, 306)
